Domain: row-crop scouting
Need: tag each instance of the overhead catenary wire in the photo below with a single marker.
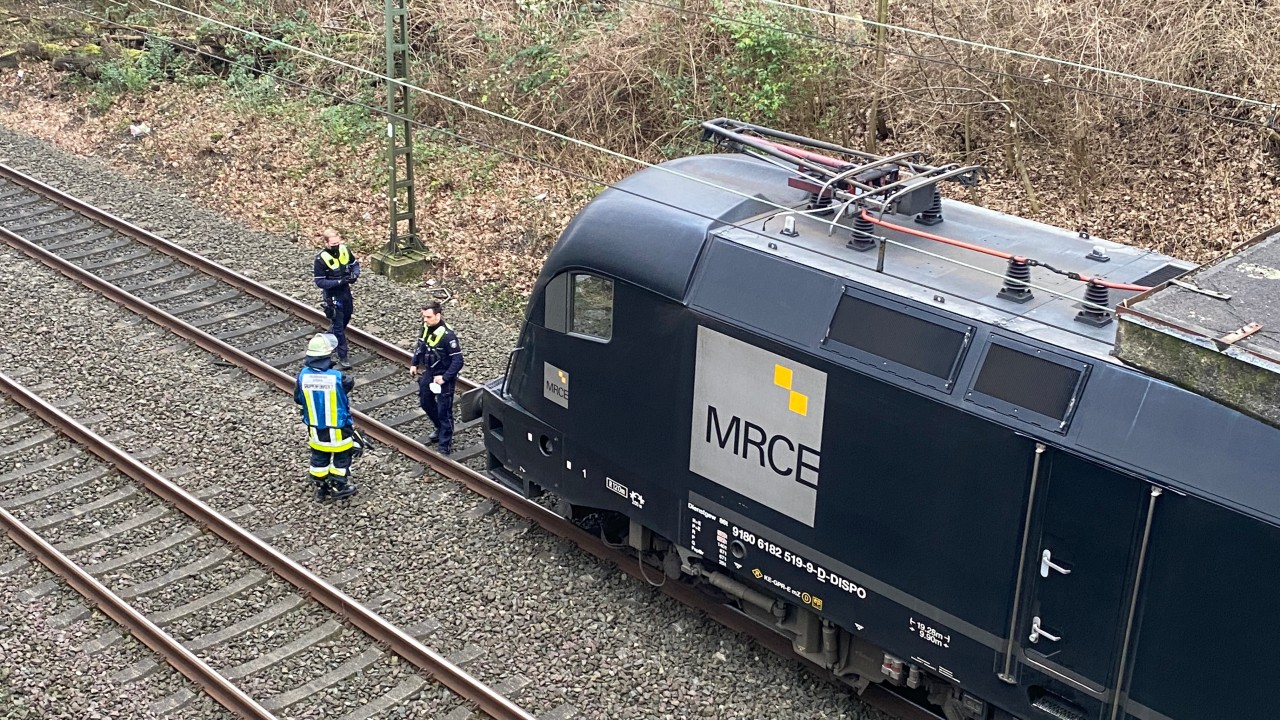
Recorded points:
(982, 70)
(561, 136)
(1017, 53)
(453, 101)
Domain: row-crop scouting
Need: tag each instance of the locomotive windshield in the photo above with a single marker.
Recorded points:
(592, 310)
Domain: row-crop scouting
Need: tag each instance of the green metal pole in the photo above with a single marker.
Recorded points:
(403, 219)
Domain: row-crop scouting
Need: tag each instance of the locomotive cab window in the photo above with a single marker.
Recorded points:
(591, 306)
(1032, 384)
(899, 339)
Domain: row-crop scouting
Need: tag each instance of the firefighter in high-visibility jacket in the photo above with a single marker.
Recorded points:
(336, 270)
(322, 394)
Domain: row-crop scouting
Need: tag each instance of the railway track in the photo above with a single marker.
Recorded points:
(149, 554)
(251, 317)
(259, 330)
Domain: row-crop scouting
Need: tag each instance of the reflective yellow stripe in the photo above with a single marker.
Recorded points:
(311, 407)
(433, 338)
(320, 395)
(333, 263)
(334, 444)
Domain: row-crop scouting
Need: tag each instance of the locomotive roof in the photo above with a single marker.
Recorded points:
(676, 236)
(659, 249)
(629, 230)
(966, 282)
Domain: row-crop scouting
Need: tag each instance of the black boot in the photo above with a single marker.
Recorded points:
(322, 488)
(342, 487)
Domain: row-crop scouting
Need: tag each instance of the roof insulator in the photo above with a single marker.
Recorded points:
(932, 214)
(864, 237)
(1017, 281)
(1097, 294)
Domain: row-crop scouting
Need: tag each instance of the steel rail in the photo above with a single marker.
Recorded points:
(475, 481)
(183, 660)
(240, 282)
(422, 657)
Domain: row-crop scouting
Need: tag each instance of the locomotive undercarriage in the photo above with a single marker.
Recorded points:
(849, 659)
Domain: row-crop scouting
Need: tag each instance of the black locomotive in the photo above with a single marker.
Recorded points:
(891, 427)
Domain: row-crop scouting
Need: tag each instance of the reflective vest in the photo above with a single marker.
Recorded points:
(334, 263)
(433, 337)
(324, 400)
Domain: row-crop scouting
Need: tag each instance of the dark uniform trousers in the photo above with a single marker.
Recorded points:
(439, 408)
(338, 307)
(336, 269)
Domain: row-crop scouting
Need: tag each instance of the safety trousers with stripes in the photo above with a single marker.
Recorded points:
(330, 452)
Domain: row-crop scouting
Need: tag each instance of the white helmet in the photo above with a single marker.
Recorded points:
(322, 345)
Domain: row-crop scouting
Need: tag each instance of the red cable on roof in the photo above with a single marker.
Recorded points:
(997, 253)
(938, 238)
(805, 154)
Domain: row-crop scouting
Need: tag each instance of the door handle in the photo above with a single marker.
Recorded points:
(1038, 632)
(1047, 564)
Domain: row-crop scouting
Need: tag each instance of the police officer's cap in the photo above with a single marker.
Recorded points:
(322, 345)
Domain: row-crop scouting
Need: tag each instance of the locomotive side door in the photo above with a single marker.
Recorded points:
(1080, 565)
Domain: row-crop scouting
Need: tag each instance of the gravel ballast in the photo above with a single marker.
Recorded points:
(46, 673)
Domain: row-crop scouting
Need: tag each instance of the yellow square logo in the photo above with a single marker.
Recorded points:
(782, 377)
(797, 403)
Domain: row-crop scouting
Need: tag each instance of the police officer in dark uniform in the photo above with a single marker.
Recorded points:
(438, 357)
(322, 393)
(336, 270)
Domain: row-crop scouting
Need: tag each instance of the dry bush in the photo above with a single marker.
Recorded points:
(1215, 45)
(1061, 140)
(637, 78)
(634, 76)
